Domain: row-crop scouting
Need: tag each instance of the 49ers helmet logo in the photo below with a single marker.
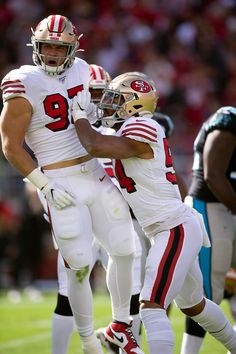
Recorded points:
(140, 86)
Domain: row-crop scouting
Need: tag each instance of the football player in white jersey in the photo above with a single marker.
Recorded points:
(62, 320)
(143, 167)
(142, 244)
(81, 197)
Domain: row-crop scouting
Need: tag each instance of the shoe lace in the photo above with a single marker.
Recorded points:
(130, 334)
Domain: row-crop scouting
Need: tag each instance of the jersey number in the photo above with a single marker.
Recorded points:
(124, 181)
(170, 176)
(56, 106)
(129, 184)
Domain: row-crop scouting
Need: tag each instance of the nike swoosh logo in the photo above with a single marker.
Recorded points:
(140, 120)
(120, 339)
(102, 178)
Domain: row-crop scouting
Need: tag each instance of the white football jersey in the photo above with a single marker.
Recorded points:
(150, 186)
(51, 134)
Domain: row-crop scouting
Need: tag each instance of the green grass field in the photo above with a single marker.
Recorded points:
(26, 327)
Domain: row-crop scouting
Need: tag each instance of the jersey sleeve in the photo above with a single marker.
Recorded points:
(14, 85)
(141, 129)
(223, 119)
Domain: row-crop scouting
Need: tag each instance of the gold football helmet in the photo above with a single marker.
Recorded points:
(55, 29)
(130, 94)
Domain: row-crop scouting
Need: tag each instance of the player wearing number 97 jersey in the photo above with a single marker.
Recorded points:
(81, 198)
(143, 167)
(50, 98)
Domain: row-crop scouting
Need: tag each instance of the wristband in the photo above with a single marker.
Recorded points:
(37, 178)
(79, 114)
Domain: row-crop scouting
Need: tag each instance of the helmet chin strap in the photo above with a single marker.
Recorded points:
(146, 114)
(54, 70)
(109, 121)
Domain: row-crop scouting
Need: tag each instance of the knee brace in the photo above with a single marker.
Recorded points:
(134, 304)
(63, 306)
(193, 328)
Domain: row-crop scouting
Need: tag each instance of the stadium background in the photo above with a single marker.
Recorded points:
(187, 46)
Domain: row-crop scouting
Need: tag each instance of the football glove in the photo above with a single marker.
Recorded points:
(83, 108)
(57, 196)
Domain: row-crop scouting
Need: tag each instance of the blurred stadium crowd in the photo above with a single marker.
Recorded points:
(187, 47)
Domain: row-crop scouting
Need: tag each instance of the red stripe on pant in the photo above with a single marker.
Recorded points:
(167, 265)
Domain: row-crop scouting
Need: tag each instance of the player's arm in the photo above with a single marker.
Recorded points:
(217, 153)
(14, 121)
(114, 147)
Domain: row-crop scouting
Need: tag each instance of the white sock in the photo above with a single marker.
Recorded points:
(81, 302)
(91, 345)
(119, 284)
(191, 344)
(136, 328)
(62, 329)
(159, 334)
(214, 321)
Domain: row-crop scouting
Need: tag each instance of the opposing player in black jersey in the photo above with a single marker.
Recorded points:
(213, 194)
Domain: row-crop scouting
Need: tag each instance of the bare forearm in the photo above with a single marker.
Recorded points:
(223, 191)
(99, 145)
(21, 160)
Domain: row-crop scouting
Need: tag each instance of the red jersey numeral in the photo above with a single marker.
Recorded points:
(56, 106)
(72, 92)
(125, 182)
(170, 176)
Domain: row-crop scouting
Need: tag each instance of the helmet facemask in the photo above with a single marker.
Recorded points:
(111, 108)
(41, 59)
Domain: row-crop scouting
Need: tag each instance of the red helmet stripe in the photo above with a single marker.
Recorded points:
(52, 23)
(56, 24)
(93, 72)
(101, 72)
(60, 25)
